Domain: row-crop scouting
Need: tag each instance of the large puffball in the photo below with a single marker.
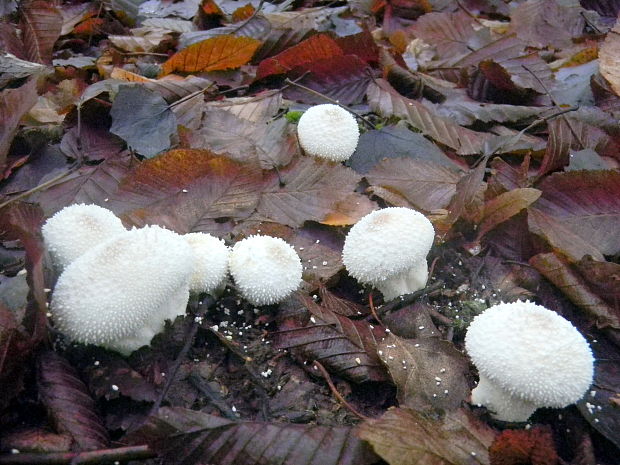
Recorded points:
(119, 293)
(387, 249)
(528, 357)
(265, 269)
(76, 229)
(328, 131)
(211, 257)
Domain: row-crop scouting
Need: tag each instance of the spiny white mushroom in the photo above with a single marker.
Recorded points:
(265, 269)
(119, 293)
(211, 257)
(387, 249)
(528, 357)
(76, 229)
(328, 131)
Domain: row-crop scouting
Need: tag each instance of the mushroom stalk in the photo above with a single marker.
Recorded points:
(504, 405)
(406, 282)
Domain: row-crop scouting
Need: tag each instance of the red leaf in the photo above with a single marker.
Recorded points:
(516, 447)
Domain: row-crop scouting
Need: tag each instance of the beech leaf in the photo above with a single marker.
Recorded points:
(14, 103)
(41, 24)
(609, 54)
(505, 206)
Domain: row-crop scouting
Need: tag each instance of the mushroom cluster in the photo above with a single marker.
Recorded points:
(328, 131)
(118, 287)
(527, 357)
(387, 249)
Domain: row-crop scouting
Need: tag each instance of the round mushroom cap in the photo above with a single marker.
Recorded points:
(115, 290)
(387, 242)
(328, 131)
(531, 352)
(78, 228)
(266, 269)
(210, 262)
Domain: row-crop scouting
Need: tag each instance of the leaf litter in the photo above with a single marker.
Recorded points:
(498, 123)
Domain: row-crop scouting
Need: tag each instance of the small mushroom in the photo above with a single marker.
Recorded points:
(265, 269)
(119, 294)
(211, 257)
(328, 131)
(527, 357)
(387, 249)
(76, 229)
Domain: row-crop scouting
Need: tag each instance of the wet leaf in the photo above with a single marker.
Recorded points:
(568, 280)
(41, 24)
(345, 347)
(186, 437)
(187, 190)
(505, 206)
(68, 402)
(428, 372)
(579, 213)
(215, 54)
(143, 119)
(405, 437)
(306, 190)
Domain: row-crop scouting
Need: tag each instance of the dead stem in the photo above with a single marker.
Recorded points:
(338, 396)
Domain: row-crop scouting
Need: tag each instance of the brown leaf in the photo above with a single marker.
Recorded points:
(187, 190)
(341, 306)
(91, 143)
(557, 154)
(505, 206)
(533, 446)
(68, 402)
(579, 213)
(215, 54)
(306, 190)
(41, 24)
(609, 55)
(14, 104)
(405, 437)
(37, 440)
(346, 347)
(16, 347)
(349, 210)
(602, 277)
(385, 100)
(425, 184)
(568, 280)
(428, 372)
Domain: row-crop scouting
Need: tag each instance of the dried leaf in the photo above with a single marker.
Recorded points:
(306, 190)
(533, 445)
(92, 143)
(564, 277)
(428, 372)
(557, 154)
(187, 437)
(579, 213)
(385, 100)
(41, 24)
(215, 54)
(346, 347)
(349, 210)
(609, 54)
(405, 437)
(258, 28)
(14, 104)
(258, 108)
(187, 190)
(505, 206)
(16, 347)
(68, 403)
(427, 185)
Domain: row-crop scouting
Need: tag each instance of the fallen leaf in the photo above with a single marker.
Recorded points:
(505, 206)
(535, 446)
(215, 54)
(609, 54)
(14, 104)
(557, 154)
(405, 437)
(41, 23)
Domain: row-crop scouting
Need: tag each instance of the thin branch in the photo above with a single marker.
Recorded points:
(329, 99)
(214, 397)
(94, 457)
(407, 299)
(338, 396)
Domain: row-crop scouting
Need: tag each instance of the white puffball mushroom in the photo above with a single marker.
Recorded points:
(528, 357)
(328, 131)
(265, 269)
(76, 229)
(119, 294)
(387, 249)
(211, 257)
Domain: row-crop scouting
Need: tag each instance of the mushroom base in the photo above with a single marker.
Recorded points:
(501, 404)
(403, 283)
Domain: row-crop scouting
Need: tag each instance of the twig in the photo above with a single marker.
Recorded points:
(101, 456)
(38, 188)
(338, 396)
(329, 99)
(213, 396)
(410, 298)
(373, 310)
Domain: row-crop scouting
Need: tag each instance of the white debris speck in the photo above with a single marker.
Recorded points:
(312, 319)
(358, 361)
(233, 408)
(267, 373)
(420, 327)
(114, 387)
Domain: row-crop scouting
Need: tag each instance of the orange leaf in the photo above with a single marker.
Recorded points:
(214, 54)
(89, 27)
(243, 12)
(124, 75)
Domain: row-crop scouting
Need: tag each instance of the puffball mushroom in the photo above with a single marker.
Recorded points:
(265, 269)
(119, 293)
(328, 131)
(76, 229)
(211, 257)
(387, 249)
(528, 357)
